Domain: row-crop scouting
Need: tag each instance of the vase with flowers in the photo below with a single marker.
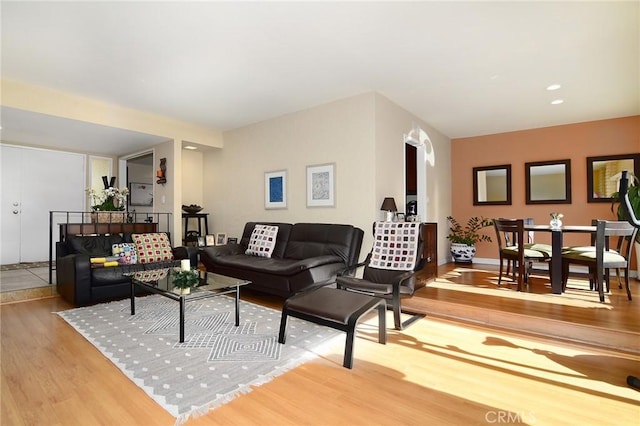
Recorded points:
(108, 200)
(556, 220)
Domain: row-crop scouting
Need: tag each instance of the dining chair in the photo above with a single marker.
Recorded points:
(599, 258)
(514, 247)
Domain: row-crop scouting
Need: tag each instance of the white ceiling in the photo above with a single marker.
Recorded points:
(466, 68)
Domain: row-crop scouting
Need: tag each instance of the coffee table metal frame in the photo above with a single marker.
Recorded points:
(216, 285)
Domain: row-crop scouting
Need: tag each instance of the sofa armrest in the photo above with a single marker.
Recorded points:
(73, 278)
(190, 253)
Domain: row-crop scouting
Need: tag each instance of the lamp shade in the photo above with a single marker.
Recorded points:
(389, 205)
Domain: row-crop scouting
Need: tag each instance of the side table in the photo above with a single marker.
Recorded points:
(200, 217)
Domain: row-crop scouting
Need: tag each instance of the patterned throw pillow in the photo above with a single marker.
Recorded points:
(395, 245)
(125, 252)
(262, 241)
(152, 247)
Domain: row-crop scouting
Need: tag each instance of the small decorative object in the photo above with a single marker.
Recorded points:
(221, 238)
(191, 208)
(232, 240)
(162, 172)
(210, 240)
(110, 199)
(390, 209)
(464, 239)
(184, 280)
(556, 222)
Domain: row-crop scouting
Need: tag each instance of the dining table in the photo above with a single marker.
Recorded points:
(556, 246)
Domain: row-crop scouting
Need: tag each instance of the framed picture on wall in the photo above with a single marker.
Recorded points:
(140, 194)
(275, 190)
(321, 185)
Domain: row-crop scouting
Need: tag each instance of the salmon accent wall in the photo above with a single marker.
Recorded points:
(572, 141)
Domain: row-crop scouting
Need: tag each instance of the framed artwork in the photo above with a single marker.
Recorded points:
(221, 238)
(321, 185)
(210, 240)
(140, 194)
(232, 240)
(275, 190)
(201, 242)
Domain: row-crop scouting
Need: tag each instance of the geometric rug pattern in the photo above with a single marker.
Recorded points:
(217, 361)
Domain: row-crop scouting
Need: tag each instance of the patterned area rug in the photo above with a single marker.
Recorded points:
(217, 361)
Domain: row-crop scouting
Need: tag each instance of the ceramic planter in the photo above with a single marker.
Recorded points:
(462, 253)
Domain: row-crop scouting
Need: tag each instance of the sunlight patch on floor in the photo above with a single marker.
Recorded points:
(571, 297)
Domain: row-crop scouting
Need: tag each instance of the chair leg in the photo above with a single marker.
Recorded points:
(626, 282)
(500, 274)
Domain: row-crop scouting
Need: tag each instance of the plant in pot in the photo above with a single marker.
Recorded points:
(183, 280)
(464, 239)
(619, 209)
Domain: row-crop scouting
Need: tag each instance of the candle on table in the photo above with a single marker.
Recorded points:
(185, 264)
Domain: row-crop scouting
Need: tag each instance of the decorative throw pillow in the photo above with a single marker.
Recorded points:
(125, 252)
(152, 248)
(262, 241)
(395, 245)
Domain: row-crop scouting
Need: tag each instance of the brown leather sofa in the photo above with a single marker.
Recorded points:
(305, 255)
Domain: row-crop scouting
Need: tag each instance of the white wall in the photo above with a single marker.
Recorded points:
(340, 133)
(362, 135)
(192, 177)
(392, 123)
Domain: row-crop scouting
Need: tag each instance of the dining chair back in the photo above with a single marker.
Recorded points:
(514, 246)
(599, 257)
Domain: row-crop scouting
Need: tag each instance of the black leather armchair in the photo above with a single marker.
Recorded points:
(390, 283)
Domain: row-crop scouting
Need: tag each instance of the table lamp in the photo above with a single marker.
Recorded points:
(389, 206)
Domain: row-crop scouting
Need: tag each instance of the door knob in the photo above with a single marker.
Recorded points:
(16, 212)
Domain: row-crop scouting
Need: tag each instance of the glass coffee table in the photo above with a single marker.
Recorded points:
(160, 281)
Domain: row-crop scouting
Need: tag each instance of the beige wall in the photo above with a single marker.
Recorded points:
(362, 135)
(392, 123)
(573, 141)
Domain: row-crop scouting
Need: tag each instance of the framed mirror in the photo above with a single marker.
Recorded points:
(492, 185)
(603, 175)
(548, 182)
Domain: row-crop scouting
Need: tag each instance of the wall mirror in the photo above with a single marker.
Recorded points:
(492, 185)
(548, 182)
(603, 175)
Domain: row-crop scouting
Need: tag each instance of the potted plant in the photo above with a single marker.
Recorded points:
(464, 239)
(107, 201)
(183, 280)
(621, 212)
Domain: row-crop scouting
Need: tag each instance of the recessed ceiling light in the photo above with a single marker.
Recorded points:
(557, 101)
(553, 87)
(190, 147)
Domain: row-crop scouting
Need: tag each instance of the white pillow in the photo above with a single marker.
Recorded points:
(262, 241)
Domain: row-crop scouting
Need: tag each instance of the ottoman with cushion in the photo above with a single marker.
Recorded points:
(337, 309)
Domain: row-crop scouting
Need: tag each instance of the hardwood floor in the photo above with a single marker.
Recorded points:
(435, 372)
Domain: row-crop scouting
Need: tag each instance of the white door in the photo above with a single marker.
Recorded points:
(10, 204)
(38, 181)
